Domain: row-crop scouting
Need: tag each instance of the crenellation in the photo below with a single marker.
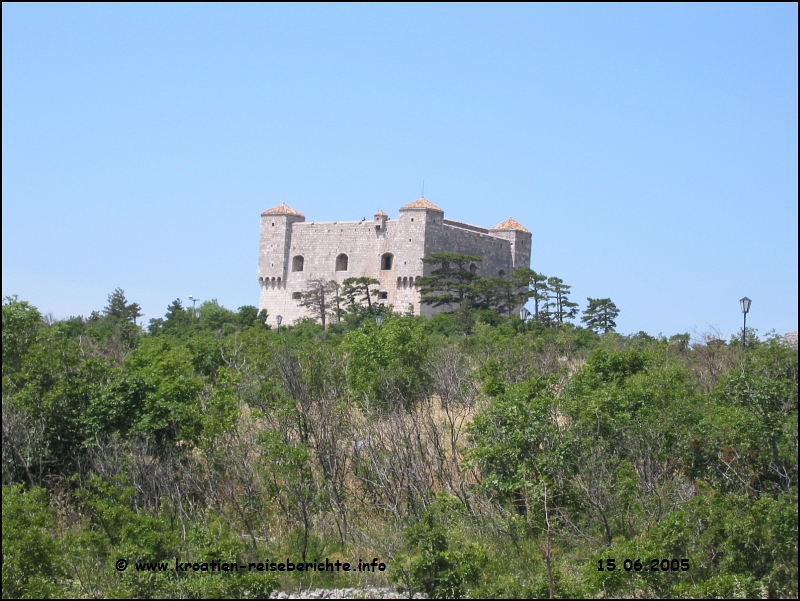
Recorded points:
(292, 252)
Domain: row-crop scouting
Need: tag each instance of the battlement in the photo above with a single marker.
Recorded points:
(293, 251)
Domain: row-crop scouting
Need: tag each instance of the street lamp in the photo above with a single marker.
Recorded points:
(744, 303)
(194, 300)
(278, 320)
(524, 314)
(379, 319)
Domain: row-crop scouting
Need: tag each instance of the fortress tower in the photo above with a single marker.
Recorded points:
(292, 252)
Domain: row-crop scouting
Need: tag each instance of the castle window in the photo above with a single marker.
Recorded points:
(501, 273)
(383, 295)
(445, 264)
(341, 262)
(297, 263)
(386, 261)
(296, 295)
(399, 282)
(405, 282)
(473, 269)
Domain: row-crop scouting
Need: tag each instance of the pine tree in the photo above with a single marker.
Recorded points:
(600, 315)
(119, 309)
(317, 299)
(358, 290)
(564, 308)
(532, 286)
(452, 283)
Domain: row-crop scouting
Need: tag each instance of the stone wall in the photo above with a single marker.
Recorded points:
(415, 234)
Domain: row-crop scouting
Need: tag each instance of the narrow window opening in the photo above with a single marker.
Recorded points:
(473, 269)
(383, 295)
(341, 262)
(296, 295)
(501, 273)
(297, 263)
(386, 261)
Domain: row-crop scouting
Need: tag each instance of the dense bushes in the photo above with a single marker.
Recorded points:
(508, 461)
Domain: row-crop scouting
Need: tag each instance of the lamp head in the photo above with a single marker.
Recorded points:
(744, 303)
(279, 319)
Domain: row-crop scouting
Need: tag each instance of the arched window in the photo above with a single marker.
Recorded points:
(473, 269)
(399, 282)
(297, 263)
(386, 261)
(445, 265)
(501, 273)
(405, 282)
(341, 262)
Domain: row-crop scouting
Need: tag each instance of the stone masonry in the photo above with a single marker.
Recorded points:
(292, 252)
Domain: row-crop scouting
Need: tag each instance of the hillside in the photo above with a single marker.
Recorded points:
(466, 455)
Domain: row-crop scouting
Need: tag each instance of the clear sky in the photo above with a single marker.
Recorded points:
(651, 149)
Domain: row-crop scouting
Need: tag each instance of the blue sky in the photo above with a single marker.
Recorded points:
(651, 149)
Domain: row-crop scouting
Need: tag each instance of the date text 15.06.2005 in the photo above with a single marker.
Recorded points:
(636, 565)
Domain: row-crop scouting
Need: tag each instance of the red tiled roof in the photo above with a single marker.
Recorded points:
(282, 209)
(381, 214)
(421, 203)
(511, 224)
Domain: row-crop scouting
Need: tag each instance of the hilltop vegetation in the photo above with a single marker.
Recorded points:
(474, 454)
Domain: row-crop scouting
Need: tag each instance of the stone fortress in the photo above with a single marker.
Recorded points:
(292, 252)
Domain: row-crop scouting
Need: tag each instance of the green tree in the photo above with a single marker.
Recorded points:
(450, 285)
(177, 320)
(215, 317)
(533, 286)
(247, 315)
(318, 299)
(119, 309)
(21, 322)
(495, 294)
(388, 361)
(32, 562)
(564, 308)
(439, 563)
(358, 291)
(600, 315)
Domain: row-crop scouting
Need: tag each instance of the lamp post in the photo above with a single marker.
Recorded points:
(744, 303)
(278, 320)
(194, 300)
(379, 319)
(524, 314)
